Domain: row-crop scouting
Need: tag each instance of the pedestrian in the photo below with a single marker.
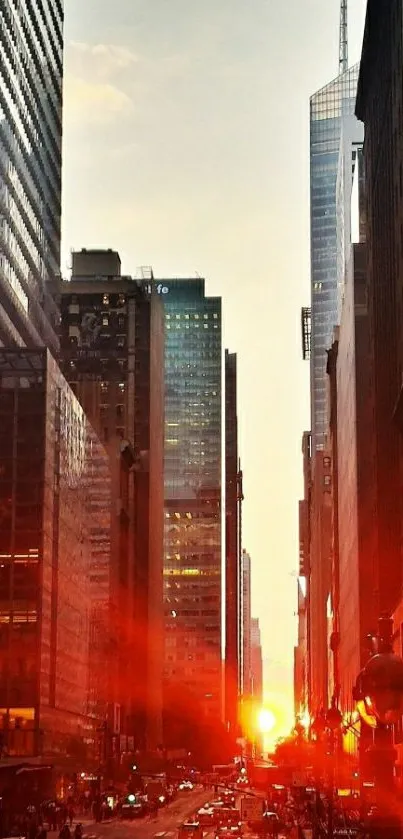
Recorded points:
(42, 832)
(65, 832)
(78, 831)
(71, 815)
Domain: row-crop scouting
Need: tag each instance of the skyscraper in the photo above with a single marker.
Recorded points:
(31, 43)
(51, 463)
(233, 501)
(112, 353)
(327, 108)
(192, 473)
(331, 138)
(379, 106)
(246, 618)
(256, 663)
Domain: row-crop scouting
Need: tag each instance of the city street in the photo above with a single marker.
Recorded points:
(163, 827)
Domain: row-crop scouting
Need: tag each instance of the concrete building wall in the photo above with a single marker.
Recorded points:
(380, 107)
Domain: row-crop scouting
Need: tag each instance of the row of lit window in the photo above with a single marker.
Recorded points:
(191, 572)
(196, 326)
(194, 315)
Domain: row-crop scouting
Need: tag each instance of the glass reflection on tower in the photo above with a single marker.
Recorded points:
(192, 476)
(327, 108)
(31, 60)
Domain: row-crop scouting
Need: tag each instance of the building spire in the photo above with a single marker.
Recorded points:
(343, 46)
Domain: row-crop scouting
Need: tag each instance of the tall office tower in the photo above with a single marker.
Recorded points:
(31, 40)
(301, 655)
(379, 106)
(302, 679)
(246, 617)
(193, 492)
(256, 661)
(112, 350)
(356, 608)
(328, 107)
(233, 501)
(51, 461)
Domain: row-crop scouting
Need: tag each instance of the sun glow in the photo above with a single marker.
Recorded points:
(267, 720)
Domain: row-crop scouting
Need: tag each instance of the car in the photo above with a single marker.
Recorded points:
(190, 830)
(228, 831)
(132, 807)
(228, 798)
(186, 786)
(228, 816)
(270, 824)
(206, 815)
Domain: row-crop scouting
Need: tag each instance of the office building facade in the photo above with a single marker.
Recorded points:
(112, 353)
(193, 493)
(233, 523)
(50, 459)
(379, 106)
(246, 618)
(31, 48)
(327, 108)
(256, 663)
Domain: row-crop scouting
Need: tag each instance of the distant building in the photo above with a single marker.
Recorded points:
(193, 493)
(256, 663)
(51, 460)
(302, 678)
(31, 81)
(301, 704)
(112, 346)
(246, 618)
(233, 525)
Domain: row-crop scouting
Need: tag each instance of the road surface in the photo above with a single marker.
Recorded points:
(165, 826)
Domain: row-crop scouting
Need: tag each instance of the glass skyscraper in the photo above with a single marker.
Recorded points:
(31, 61)
(192, 561)
(327, 108)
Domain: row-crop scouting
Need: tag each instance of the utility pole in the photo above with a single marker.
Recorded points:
(343, 43)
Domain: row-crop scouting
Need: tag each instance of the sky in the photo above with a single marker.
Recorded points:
(186, 147)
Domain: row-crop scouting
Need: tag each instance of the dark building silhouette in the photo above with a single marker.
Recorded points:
(233, 502)
(380, 107)
(112, 353)
(51, 462)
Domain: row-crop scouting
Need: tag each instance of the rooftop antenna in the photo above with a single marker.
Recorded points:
(343, 45)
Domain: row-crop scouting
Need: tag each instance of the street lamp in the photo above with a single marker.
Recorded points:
(378, 693)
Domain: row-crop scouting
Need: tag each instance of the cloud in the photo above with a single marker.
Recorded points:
(100, 60)
(94, 102)
(94, 89)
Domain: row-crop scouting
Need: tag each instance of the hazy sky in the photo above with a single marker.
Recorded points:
(186, 147)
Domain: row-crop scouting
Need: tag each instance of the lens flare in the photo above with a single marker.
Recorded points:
(267, 720)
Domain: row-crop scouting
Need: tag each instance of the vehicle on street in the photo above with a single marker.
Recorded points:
(190, 830)
(228, 816)
(132, 807)
(206, 815)
(186, 786)
(228, 831)
(269, 825)
(242, 781)
(228, 797)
